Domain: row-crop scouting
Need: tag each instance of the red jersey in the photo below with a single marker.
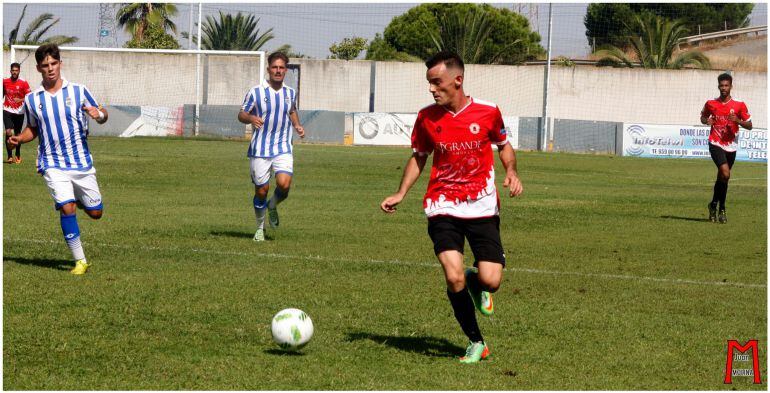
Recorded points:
(11, 90)
(723, 131)
(462, 178)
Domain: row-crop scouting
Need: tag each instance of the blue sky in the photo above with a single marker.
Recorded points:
(311, 28)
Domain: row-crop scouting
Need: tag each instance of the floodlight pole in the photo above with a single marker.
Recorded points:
(198, 75)
(546, 129)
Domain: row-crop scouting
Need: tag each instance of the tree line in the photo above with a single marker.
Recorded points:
(622, 35)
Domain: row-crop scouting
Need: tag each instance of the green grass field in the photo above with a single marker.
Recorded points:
(615, 280)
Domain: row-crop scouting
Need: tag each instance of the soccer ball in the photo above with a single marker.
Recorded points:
(292, 328)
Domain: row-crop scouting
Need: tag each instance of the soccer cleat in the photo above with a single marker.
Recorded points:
(272, 216)
(722, 216)
(476, 352)
(713, 212)
(18, 160)
(482, 300)
(80, 267)
(260, 235)
(10, 160)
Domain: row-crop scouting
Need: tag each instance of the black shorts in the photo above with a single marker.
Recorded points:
(13, 121)
(719, 156)
(483, 234)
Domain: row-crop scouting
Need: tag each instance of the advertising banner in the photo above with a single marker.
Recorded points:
(156, 121)
(676, 141)
(395, 129)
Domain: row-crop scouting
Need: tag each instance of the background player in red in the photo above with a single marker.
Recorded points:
(14, 90)
(724, 114)
(461, 201)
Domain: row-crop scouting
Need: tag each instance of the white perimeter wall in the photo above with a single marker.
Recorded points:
(583, 93)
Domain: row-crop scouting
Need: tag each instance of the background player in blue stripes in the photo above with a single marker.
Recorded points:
(271, 109)
(57, 114)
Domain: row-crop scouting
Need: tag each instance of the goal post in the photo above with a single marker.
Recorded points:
(162, 81)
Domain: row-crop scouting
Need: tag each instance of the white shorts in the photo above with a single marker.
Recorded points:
(260, 167)
(73, 186)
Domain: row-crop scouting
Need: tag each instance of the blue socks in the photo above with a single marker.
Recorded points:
(71, 232)
(278, 196)
(259, 210)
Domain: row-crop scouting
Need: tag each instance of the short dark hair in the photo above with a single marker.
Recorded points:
(15, 65)
(277, 55)
(450, 60)
(725, 77)
(46, 50)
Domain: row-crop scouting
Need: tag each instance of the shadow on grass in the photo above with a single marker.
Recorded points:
(281, 352)
(58, 264)
(424, 345)
(686, 218)
(241, 235)
(244, 235)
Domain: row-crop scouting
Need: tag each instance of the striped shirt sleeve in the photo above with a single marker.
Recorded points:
(248, 102)
(90, 97)
(294, 107)
(29, 112)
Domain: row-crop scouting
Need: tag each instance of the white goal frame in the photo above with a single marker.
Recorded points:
(198, 52)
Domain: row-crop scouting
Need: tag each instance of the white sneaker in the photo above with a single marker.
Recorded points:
(260, 235)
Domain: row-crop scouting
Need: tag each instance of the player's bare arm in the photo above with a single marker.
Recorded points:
(99, 114)
(296, 124)
(706, 117)
(511, 182)
(247, 118)
(735, 119)
(27, 135)
(412, 172)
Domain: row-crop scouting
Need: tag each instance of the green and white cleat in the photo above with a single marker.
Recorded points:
(272, 216)
(482, 300)
(260, 235)
(475, 353)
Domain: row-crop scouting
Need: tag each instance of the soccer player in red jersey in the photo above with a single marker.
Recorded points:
(14, 90)
(724, 114)
(461, 201)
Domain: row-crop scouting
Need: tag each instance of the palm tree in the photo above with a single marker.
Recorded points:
(654, 46)
(466, 34)
(230, 32)
(138, 17)
(288, 51)
(36, 30)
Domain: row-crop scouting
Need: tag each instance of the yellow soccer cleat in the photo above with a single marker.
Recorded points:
(80, 267)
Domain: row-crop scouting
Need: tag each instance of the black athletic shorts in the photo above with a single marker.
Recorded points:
(719, 156)
(483, 234)
(13, 121)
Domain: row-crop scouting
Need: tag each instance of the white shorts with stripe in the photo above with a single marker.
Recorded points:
(72, 186)
(260, 167)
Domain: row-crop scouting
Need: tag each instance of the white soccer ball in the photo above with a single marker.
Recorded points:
(292, 328)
